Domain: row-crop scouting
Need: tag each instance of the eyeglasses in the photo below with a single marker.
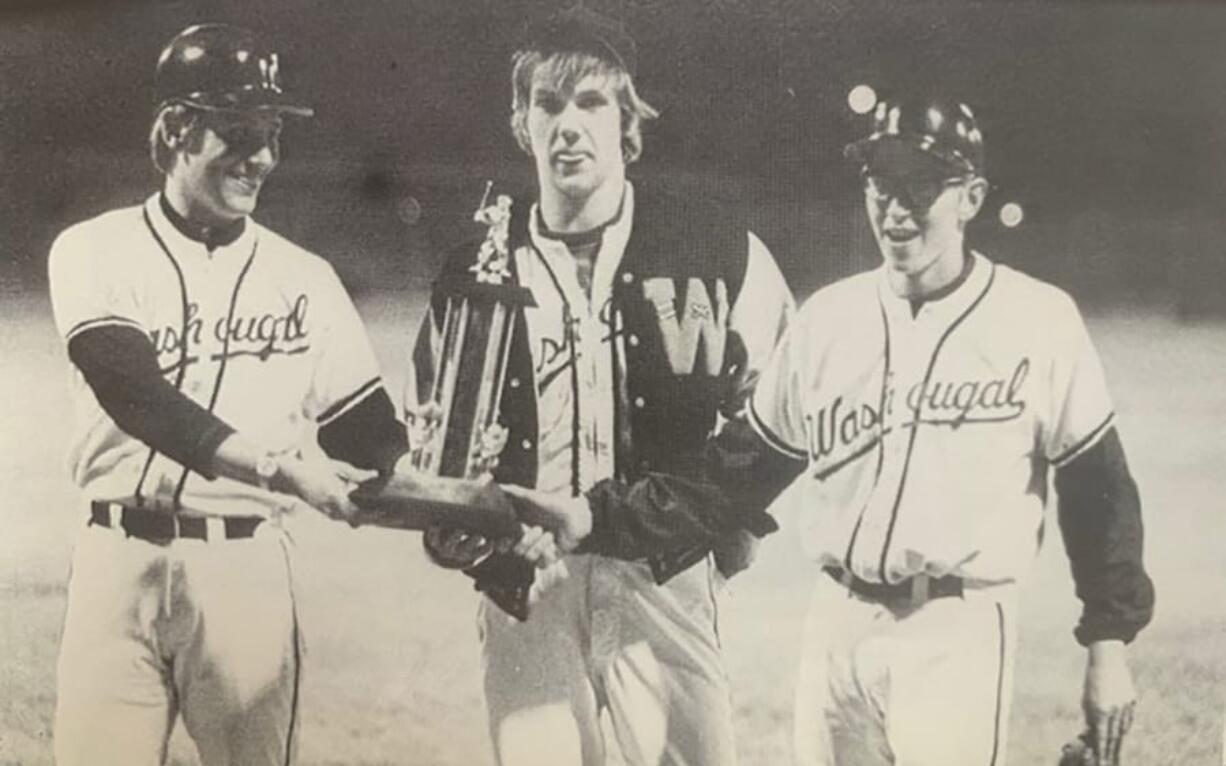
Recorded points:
(246, 135)
(915, 193)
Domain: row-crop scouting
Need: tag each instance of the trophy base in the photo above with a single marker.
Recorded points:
(419, 501)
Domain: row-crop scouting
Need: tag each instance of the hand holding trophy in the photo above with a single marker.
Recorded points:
(444, 486)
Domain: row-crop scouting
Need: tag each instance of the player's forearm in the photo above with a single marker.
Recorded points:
(238, 458)
(241, 459)
(661, 513)
(1100, 519)
(655, 514)
(120, 366)
(1107, 650)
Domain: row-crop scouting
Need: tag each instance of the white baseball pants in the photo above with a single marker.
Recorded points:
(925, 685)
(202, 629)
(607, 638)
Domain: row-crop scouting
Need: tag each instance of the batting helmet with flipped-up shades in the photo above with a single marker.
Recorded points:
(222, 67)
(918, 134)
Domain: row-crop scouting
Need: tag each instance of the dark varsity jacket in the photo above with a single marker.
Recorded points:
(663, 419)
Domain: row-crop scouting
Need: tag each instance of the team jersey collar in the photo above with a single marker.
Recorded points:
(580, 238)
(616, 233)
(946, 306)
(240, 239)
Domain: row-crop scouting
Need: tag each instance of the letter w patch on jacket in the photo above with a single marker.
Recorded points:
(697, 322)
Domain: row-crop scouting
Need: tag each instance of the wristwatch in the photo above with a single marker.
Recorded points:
(266, 469)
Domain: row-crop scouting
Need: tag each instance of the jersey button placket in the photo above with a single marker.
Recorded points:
(588, 396)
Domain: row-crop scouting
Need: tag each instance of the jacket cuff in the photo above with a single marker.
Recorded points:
(1091, 632)
(597, 540)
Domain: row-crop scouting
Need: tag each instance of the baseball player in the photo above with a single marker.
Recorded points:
(651, 311)
(207, 350)
(924, 406)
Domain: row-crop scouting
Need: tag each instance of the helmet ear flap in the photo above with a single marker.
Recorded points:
(172, 130)
(173, 124)
(970, 201)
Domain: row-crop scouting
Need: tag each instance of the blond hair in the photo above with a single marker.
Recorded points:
(564, 70)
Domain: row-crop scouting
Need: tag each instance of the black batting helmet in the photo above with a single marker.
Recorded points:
(218, 66)
(921, 134)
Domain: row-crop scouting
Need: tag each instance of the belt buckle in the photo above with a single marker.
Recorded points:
(919, 589)
(157, 534)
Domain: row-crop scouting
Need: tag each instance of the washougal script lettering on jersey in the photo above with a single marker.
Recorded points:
(258, 335)
(842, 430)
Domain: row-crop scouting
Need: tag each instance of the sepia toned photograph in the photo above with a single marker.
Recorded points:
(594, 382)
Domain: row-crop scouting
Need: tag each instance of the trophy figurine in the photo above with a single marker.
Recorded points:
(455, 439)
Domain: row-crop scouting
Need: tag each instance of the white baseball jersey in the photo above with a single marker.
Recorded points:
(928, 437)
(259, 331)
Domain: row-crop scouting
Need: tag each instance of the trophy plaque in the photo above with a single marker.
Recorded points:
(455, 438)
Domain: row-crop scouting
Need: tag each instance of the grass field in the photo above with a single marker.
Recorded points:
(392, 675)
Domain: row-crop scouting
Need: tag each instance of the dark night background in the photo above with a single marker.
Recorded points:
(1102, 121)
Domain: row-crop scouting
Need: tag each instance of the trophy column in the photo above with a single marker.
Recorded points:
(461, 436)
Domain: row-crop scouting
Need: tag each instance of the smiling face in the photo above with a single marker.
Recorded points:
(912, 234)
(919, 222)
(575, 134)
(222, 163)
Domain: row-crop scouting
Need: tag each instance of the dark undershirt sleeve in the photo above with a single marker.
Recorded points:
(120, 365)
(1100, 518)
(367, 435)
(663, 513)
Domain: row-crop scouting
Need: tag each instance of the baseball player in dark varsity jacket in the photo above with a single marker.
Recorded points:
(915, 414)
(652, 312)
(207, 350)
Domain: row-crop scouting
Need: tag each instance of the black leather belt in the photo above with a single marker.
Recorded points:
(157, 526)
(911, 589)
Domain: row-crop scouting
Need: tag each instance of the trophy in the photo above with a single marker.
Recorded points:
(455, 439)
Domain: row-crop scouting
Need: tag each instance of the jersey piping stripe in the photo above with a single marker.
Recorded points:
(1085, 443)
(574, 401)
(349, 402)
(880, 441)
(617, 353)
(769, 436)
(568, 330)
(225, 355)
(106, 321)
(906, 466)
(1000, 686)
(296, 638)
(293, 701)
(140, 484)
